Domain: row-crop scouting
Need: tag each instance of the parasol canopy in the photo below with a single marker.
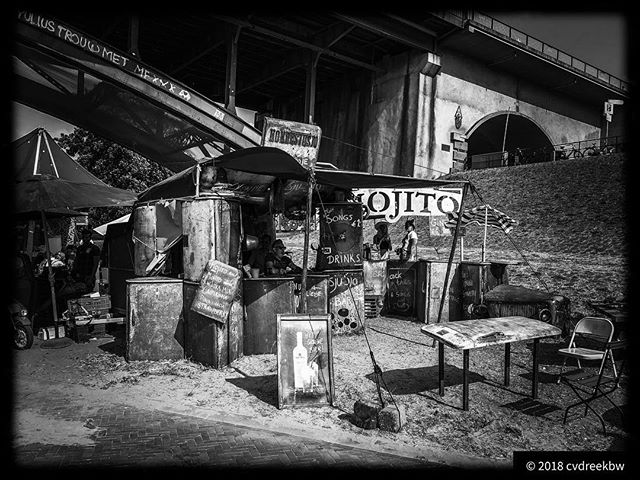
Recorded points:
(46, 180)
(45, 177)
(36, 153)
(46, 192)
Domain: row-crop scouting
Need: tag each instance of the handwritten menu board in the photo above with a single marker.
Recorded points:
(401, 291)
(340, 236)
(217, 290)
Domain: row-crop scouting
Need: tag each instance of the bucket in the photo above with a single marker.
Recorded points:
(50, 332)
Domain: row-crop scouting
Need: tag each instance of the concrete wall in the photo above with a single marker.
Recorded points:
(397, 122)
(481, 93)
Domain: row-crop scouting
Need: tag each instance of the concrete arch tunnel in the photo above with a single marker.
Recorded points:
(485, 139)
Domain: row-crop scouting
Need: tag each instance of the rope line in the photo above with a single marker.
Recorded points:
(376, 368)
(537, 274)
(376, 153)
(136, 239)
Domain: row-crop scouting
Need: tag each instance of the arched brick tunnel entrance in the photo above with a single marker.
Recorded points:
(485, 140)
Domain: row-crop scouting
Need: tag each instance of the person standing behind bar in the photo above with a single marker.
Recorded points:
(408, 252)
(381, 240)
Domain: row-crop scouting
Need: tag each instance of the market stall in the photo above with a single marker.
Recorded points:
(248, 188)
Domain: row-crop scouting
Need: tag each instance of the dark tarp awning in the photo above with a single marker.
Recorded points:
(264, 164)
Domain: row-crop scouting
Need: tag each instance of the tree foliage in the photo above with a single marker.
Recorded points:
(115, 165)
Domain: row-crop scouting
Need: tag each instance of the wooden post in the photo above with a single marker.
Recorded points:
(302, 307)
(31, 230)
(134, 29)
(451, 255)
(484, 241)
(232, 67)
(54, 305)
(310, 87)
(198, 170)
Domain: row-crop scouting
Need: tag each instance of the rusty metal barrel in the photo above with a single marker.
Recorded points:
(211, 228)
(144, 237)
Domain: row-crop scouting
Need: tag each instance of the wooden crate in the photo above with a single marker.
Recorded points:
(89, 305)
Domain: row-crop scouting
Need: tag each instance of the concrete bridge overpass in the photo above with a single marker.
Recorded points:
(405, 94)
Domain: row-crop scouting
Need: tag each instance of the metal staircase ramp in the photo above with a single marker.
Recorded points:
(63, 72)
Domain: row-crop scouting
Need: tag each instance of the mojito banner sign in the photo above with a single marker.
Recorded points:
(394, 203)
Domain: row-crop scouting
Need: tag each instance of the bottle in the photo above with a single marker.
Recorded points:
(299, 363)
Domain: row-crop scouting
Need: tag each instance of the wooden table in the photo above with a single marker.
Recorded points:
(468, 334)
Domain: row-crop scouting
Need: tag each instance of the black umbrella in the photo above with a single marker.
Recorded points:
(54, 197)
(46, 192)
(48, 182)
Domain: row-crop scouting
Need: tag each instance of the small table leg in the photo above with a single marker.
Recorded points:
(534, 386)
(465, 379)
(441, 368)
(507, 363)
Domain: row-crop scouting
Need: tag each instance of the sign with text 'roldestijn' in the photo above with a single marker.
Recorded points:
(300, 140)
(216, 292)
(394, 203)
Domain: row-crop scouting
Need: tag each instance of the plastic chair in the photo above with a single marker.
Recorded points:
(588, 342)
(589, 387)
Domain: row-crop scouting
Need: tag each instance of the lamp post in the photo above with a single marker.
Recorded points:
(608, 113)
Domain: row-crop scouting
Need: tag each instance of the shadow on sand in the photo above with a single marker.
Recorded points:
(408, 381)
(263, 387)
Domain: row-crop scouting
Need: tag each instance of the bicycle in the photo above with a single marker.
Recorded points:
(592, 150)
(574, 153)
(608, 150)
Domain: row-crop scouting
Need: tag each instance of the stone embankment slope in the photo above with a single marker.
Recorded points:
(576, 206)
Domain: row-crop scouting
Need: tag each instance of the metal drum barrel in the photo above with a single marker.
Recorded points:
(144, 238)
(212, 229)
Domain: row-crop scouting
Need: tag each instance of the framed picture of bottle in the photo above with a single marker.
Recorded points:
(305, 360)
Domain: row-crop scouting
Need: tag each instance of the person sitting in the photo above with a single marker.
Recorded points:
(381, 240)
(277, 263)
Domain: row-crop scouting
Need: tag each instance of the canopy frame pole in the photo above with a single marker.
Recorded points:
(484, 240)
(198, 168)
(451, 255)
(302, 306)
(54, 306)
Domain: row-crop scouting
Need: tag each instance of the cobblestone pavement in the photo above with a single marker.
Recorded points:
(126, 436)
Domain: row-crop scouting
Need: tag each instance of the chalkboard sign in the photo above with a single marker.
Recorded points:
(401, 291)
(340, 236)
(346, 300)
(217, 290)
(375, 277)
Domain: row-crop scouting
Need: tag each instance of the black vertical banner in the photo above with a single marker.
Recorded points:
(340, 236)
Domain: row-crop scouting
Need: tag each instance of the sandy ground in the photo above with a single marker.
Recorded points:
(499, 421)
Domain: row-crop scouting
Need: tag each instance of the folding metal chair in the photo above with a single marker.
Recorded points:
(588, 341)
(589, 387)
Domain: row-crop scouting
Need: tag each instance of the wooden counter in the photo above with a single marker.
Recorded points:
(265, 297)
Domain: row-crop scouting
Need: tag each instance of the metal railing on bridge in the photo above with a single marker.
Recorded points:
(535, 46)
(561, 151)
